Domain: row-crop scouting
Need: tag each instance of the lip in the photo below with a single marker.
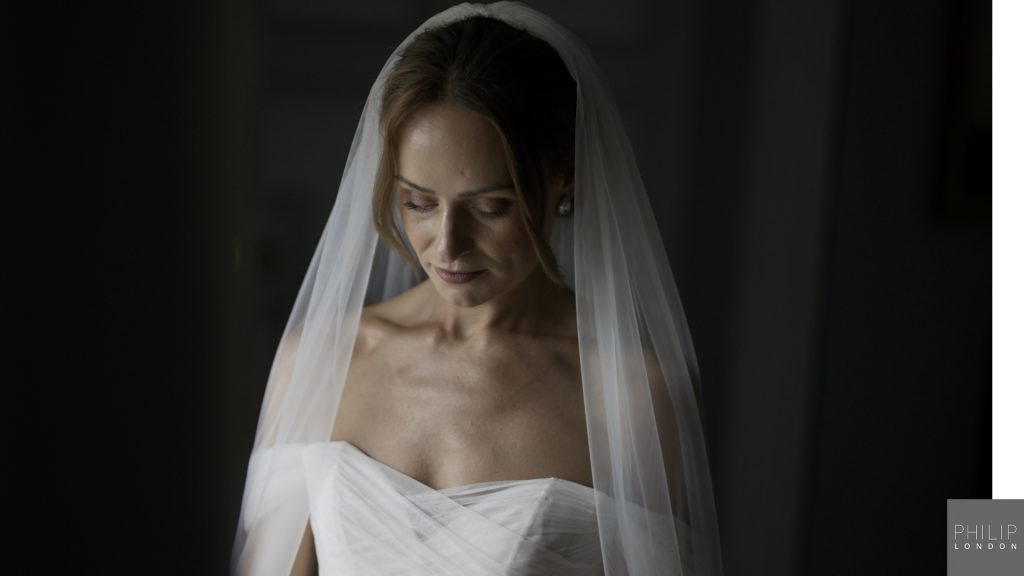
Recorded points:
(457, 277)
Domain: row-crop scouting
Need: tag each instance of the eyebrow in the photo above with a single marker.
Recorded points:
(465, 194)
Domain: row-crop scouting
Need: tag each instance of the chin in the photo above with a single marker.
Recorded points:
(464, 295)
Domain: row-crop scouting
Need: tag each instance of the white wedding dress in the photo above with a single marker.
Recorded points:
(652, 508)
(370, 519)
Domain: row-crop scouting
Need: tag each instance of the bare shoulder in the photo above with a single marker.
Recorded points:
(397, 310)
(374, 323)
(287, 348)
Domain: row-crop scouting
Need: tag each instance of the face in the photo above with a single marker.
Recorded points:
(458, 205)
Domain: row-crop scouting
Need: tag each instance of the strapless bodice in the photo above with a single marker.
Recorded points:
(369, 518)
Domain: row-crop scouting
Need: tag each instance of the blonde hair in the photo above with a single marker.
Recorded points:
(515, 81)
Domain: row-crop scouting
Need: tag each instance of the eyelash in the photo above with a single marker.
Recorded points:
(499, 213)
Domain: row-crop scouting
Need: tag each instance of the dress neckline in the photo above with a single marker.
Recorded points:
(463, 487)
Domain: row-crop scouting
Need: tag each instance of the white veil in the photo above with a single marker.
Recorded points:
(639, 369)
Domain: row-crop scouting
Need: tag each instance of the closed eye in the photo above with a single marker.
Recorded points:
(417, 207)
(498, 212)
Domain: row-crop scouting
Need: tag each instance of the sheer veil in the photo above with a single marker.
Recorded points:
(651, 476)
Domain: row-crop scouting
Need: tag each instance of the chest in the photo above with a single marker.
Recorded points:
(455, 416)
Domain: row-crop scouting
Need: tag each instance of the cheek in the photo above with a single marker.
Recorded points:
(415, 234)
(515, 248)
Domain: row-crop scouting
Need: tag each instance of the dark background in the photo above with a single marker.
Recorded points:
(820, 171)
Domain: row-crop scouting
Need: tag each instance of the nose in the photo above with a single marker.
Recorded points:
(453, 239)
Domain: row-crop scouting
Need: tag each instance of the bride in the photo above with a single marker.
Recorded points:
(484, 372)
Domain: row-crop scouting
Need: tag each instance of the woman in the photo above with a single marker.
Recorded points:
(531, 406)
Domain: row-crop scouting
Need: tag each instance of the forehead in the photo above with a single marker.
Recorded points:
(448, 148)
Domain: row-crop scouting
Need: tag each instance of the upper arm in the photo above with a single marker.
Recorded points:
(280, 377)
(305, 559)
(670, 430)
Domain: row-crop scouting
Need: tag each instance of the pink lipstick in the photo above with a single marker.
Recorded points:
(457, 277)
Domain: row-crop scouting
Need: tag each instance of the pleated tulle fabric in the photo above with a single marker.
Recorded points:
(368, 518)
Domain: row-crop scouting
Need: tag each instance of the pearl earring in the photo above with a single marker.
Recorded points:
(565, 206)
